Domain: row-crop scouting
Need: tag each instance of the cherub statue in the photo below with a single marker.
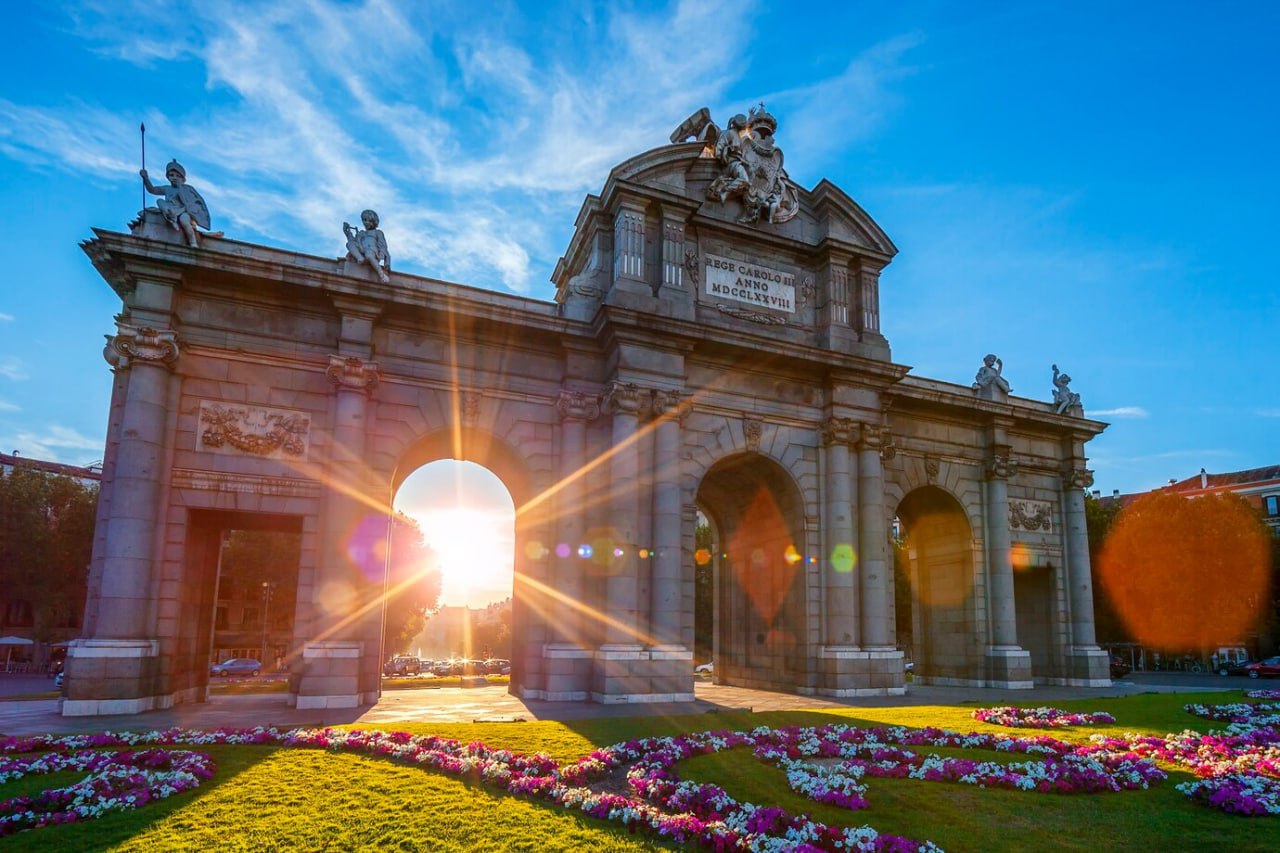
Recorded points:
(369, 246)
(1064, 399)
(989, 376)
(182, 205)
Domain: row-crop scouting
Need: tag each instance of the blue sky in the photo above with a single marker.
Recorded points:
(1091, 184)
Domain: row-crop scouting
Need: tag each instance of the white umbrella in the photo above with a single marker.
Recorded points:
(12, 641)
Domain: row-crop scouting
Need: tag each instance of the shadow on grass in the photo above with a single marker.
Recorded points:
(118, 827)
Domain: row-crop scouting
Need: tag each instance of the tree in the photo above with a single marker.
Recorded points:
(46, 541)
(1187, 574)
(1100, 517)
(413, 585)
(491, 634)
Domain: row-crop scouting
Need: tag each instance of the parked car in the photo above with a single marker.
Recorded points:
(1267, 668)
(1230, 660)
(1119, 667)
(709, 667)
(57, 680)
(237, 666)
(497, 666)
(402, 665)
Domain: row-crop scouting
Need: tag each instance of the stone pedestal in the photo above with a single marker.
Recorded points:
(328, 676)
(1008, 667)
(631, 674)
(1089, 667)
(566, 672)
(113, 677)
(848, 671)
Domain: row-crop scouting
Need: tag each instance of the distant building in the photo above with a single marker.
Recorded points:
(1259, 486)
(89, 474)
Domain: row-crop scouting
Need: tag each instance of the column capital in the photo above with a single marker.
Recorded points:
(140, 343)
(577, 405)
(1000, 464)
(1076, 478)
(352, 373)
(672, 404)
(626, 398)
(878, 437)
(837, 430)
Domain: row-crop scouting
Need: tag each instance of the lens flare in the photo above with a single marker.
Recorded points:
(842, 558)
(702, 556)
(1187, 574)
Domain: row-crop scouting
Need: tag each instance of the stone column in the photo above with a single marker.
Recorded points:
(1090, 665)
(626, 403)
(567, 660)
(344, 613)
(1007, 664)
(877, 603)
(115, 670)
(667, 551)
(841, 563)
(621, 659)
(670, 667)
(1003, 613)
(148, 355)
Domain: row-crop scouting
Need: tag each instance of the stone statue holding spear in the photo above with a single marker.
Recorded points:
(182, 205)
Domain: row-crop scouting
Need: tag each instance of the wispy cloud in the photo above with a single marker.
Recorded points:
(465, 142)
(1269, 413)
(12, 369)
(1120, 412)
(5, 318)
(56, 443)
(6, 406)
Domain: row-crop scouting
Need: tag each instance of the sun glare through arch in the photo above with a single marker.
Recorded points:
(467, 518)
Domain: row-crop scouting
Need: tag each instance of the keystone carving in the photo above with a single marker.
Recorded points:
(352, 373)
(751, 431)
(140, 343)
(469, 406)
(931, 468)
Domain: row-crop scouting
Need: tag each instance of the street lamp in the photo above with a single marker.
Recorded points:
(267, 587)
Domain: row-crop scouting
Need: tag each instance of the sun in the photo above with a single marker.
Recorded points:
(474, 550)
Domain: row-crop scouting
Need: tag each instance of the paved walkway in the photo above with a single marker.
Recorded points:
(456, 704)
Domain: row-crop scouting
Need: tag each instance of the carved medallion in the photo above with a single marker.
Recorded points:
(253, 430)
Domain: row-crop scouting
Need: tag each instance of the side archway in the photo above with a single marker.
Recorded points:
(756, 513)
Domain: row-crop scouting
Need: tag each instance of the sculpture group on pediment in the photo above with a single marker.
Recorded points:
(750, 164)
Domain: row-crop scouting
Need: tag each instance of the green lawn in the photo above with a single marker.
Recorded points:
(267, 798)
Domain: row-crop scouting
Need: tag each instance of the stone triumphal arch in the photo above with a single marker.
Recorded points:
(714, 346)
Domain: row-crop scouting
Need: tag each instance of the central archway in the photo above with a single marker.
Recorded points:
(757, 524)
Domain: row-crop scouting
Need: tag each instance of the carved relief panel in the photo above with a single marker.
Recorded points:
(244, 430)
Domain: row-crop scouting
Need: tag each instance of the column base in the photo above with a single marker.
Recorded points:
(852, 671)
(566, 674)
(1008, 667)
(1089, 666)
(624, 674)
(107, 677)
(329, 677)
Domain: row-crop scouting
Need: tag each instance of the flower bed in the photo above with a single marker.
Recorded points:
(1038, 718)
(117, 781)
